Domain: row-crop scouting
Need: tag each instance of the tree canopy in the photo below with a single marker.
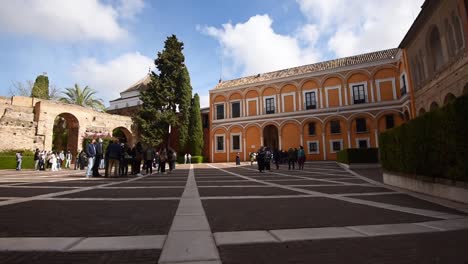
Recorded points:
(41, 87)
(168, 91)
(83, 97)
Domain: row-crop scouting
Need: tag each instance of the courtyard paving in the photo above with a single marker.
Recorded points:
(220, 213)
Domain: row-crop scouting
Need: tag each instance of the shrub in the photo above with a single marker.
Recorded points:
(434, 144)
(197, 159)
(9, 162)
(12, 152)
(355, 155)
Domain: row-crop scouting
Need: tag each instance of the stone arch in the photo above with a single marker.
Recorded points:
(449, 98)
(250, 93)
(450, 38)
(66, 133)
(309, 83)
(269, 90)
(433, 106)
(123, 134)
(332, 76)
(381, 68)
(357, 72)
(219, 98)
(318, 127)
(434, 47)
(406, 115)
(236, 95)
(422, 111)
(343, 123)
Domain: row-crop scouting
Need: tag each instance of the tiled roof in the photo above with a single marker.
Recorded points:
(316, 67)
(140, 85)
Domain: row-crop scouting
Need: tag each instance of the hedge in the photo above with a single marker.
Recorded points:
(358, 155)
(434, 144)
(9, 162)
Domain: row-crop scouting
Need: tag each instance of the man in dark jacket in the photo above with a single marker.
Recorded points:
(113, 153)
(97, 160)
(91, 154)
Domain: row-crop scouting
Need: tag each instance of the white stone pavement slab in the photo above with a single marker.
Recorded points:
(189, 246)
(285, 235)
(243, 237)
(391, 229)
(447, 225)
(119, 243)
(37, 243)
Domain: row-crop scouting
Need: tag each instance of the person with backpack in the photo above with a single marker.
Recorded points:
(261, 159)
(267, 159)
(291, 158)
(162, 161)
(138, 157)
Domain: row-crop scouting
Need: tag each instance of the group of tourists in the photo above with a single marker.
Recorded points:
(117, 158)
(265, 156)
(43, 160)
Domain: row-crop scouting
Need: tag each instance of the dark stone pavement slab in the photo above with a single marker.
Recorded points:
(86, 218)
(301, 182)
(69, 183)
(226, 191)
(279, 213)
(408, 201)
(85, 257)
(27, 192)
(149, 184)
(427, 248)
(127, 193)
(224, 183)
(342, 189)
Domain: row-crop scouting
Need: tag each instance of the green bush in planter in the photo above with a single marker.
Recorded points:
(358, 155)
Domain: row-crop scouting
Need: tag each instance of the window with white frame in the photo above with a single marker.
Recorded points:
(359, 94)
(235, 142)
(311, 129)
(235, 109)
(310, 100)
(335, 127)
(362, 143)
(219, 111)
(313, 147)
(270, 105)
(361, 126)
(336, 145)
(220, 143)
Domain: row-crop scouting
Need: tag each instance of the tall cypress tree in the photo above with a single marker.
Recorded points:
(41, 87)
(168, 89)
(184, 98)
(195, 128)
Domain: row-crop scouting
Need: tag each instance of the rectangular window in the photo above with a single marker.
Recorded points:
(361, 125)
(235, 109)
(336, 146)
(219, 111)
(359, 94)
(313, 147)
(335, 127)
(362, 143)
(403, 85)
(270, 105)
(310, 100)
(219, 143)
(311, 129)
(389, 121)
(236, 143)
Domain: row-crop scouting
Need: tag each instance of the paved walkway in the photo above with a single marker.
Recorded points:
(219, 213)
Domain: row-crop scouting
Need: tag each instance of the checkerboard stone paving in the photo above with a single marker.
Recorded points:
(221, 213)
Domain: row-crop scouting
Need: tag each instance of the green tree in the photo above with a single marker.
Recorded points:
(41, 87)
(196, 128)
(169, 88)
(184, 98)
(83, 97)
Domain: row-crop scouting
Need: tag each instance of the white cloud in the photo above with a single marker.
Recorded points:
(352, 27)
(254, 47)
(111, 77)
(129, 8)
(69, 20)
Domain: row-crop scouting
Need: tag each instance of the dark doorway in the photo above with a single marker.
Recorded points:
(65, 133)
(270, 137)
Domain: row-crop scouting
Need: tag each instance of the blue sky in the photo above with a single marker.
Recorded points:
(110, 44)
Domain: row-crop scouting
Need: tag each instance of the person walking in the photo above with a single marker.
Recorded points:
(19, 160)
(98, 158)
(277, 158)
(36, 159)
(53, 161)
(162, 161)
(149, 157)
(189, 158)
(91, 154)
(61, 158)
(261, 159)
(185, 158)
(291, 160)
(68, 158)
(138, 157)
(301, 157)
